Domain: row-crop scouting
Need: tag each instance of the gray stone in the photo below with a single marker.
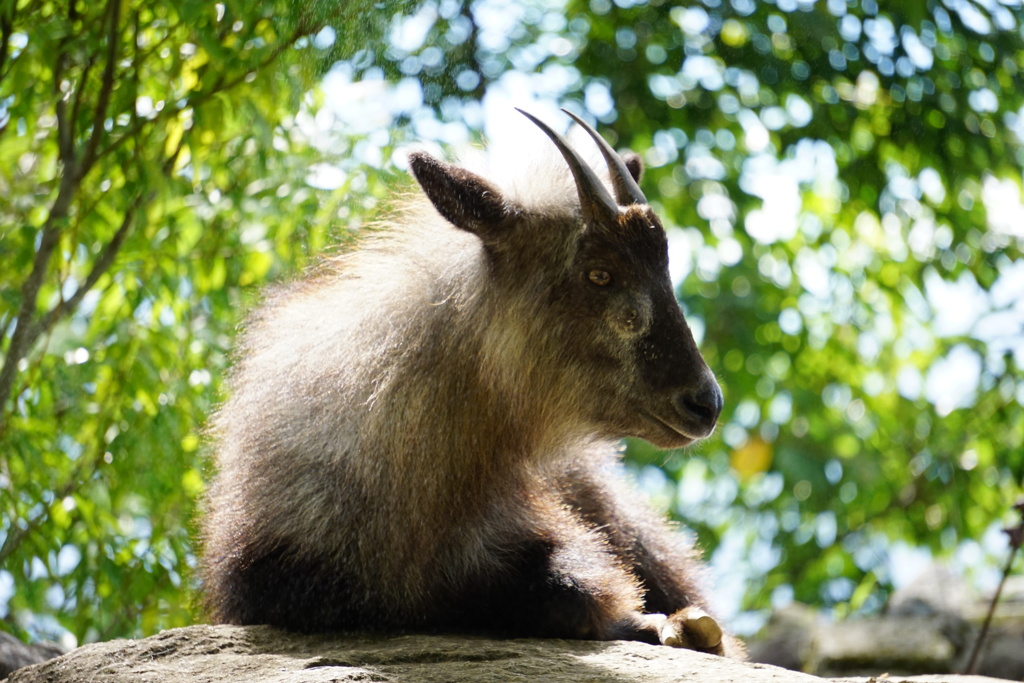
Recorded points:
(1002, 654)
(787, 639)
(259, 653)
(936, 590)
(15, 654)
(908, 645)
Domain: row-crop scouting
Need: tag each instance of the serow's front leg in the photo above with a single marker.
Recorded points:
(691, 628)
(576, 589)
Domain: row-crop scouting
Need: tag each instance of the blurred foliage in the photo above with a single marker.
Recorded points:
(153, 158)
(843, 182)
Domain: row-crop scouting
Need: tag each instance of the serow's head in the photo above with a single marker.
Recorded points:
(597, 282)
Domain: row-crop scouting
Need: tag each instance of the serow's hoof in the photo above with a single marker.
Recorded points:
(694, 629)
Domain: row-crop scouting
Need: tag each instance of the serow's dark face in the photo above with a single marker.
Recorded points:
(647, 378)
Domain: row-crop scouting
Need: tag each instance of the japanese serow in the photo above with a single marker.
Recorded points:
(423, 434)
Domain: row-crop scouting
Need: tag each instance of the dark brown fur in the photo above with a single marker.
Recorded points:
(424, 435)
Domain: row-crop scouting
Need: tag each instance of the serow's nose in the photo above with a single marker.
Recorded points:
(701, 406)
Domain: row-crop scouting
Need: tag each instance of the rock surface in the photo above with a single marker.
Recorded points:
(930, 625)
(15, 654)
(233, 653)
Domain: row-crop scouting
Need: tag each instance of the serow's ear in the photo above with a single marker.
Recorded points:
(465, 199)
(634, 164)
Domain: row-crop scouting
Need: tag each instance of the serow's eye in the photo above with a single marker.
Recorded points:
(601, 278)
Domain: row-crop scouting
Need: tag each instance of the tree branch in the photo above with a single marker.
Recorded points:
(29, 293)
(6, 29)
(222, 85)
(99, 268)
(16, 535)
(65, 128)
(65, 144)
(6, 326)
(77, 478)
(106, 86)
(49, 238)
(26, 329)
(80, 93)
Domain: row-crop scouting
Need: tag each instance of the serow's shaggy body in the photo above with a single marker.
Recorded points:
(423, 434)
